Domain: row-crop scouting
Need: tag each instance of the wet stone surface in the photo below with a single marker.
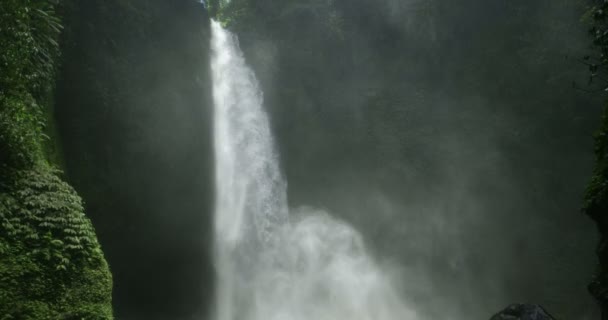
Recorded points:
(523, 312)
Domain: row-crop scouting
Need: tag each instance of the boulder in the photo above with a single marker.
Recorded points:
(523, 312)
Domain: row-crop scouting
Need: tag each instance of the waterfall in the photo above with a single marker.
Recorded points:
(273, 264)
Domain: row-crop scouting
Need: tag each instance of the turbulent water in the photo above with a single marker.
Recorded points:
(273, 264)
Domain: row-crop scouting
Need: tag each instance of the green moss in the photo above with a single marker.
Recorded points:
(29, 32)
(51, 264)
(20, 131)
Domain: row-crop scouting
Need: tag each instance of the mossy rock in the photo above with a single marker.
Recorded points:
(51, 264)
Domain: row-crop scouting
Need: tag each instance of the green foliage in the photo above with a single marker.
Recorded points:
(37, 205)
(51, 265)
(20, 131)
(29, 30)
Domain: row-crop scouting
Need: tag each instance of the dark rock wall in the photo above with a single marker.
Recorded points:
(133, 114)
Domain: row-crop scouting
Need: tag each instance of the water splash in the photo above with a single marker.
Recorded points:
(271, 266)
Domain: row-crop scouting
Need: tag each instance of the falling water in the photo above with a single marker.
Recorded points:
(272, 264)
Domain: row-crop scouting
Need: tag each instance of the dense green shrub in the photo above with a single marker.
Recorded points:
(29, 32)
(20, 131)
(51, 265)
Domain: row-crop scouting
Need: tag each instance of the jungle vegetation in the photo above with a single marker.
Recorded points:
(455, 121)
(51, 264)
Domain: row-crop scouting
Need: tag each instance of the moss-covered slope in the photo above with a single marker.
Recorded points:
(51, 265)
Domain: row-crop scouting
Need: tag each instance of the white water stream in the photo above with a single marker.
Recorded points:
(273, 264)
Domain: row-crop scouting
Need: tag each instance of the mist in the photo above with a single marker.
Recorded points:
(446, 136)
(444, 133)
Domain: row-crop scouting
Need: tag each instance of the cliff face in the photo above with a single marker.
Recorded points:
(133, 115)
(448, 133)
(523, 312)
(596, 206)
(51, 264)
(596, 198)
(412, 120)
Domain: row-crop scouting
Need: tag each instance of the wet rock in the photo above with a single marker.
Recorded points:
(523, 312)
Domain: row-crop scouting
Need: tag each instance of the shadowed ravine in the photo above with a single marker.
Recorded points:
(367, 159)
(272, 263)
